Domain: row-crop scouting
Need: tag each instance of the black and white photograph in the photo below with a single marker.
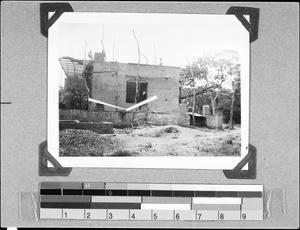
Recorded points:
(148, 85)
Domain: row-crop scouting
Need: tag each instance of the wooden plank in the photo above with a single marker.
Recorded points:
(142, 103)
(107, 104)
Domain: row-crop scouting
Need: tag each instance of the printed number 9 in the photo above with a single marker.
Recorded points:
(244, 216)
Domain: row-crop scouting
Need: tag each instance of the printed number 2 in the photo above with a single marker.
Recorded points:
(88, 215)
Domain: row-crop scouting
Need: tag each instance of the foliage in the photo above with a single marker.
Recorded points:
(78, 89)
(217, 83)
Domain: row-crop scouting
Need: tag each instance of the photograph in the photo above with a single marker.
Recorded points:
(148, 85)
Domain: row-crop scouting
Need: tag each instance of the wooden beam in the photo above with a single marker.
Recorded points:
(107, 104)
(142, 103)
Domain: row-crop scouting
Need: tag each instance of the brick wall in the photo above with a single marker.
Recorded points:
(109, 85)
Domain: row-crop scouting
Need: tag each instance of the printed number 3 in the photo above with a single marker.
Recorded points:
(110, 215)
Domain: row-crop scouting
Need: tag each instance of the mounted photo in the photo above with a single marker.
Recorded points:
(145, 90)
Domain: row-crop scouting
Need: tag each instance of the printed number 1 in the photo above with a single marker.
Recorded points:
(66, 215)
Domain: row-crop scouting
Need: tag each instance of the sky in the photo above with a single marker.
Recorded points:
(176, 42)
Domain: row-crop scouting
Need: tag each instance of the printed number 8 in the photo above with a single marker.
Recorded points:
(221, 216)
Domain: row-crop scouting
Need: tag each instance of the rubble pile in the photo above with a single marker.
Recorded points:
(82, 143)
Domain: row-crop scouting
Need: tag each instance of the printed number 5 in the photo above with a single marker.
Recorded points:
(155, 216)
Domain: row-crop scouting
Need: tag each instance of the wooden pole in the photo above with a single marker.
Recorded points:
(137, 70)
(194, 96)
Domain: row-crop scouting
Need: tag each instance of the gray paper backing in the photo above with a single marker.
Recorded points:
(274, 111)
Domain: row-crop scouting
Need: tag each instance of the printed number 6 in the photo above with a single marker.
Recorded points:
(177, 216)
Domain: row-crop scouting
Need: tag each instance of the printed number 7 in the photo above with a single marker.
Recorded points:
(199, 216)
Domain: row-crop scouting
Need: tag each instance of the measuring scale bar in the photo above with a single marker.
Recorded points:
(68, 200)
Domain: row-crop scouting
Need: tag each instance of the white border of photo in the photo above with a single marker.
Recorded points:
(144, 162)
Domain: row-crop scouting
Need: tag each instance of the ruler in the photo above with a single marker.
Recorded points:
(141, 201)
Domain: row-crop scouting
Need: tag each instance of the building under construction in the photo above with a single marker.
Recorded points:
(113, 85)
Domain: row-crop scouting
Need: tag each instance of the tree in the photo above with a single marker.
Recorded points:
(217, 81)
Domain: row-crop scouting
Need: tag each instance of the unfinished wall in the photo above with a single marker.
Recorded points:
(169, 119)
(98, 127)
(119, 119)
(109, 85)
(122, 120)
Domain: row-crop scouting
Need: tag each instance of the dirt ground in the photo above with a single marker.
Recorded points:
(148, 140)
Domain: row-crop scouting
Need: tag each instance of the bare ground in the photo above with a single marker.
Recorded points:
(145, 140)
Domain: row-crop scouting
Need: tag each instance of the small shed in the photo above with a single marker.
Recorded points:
(200, 120)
